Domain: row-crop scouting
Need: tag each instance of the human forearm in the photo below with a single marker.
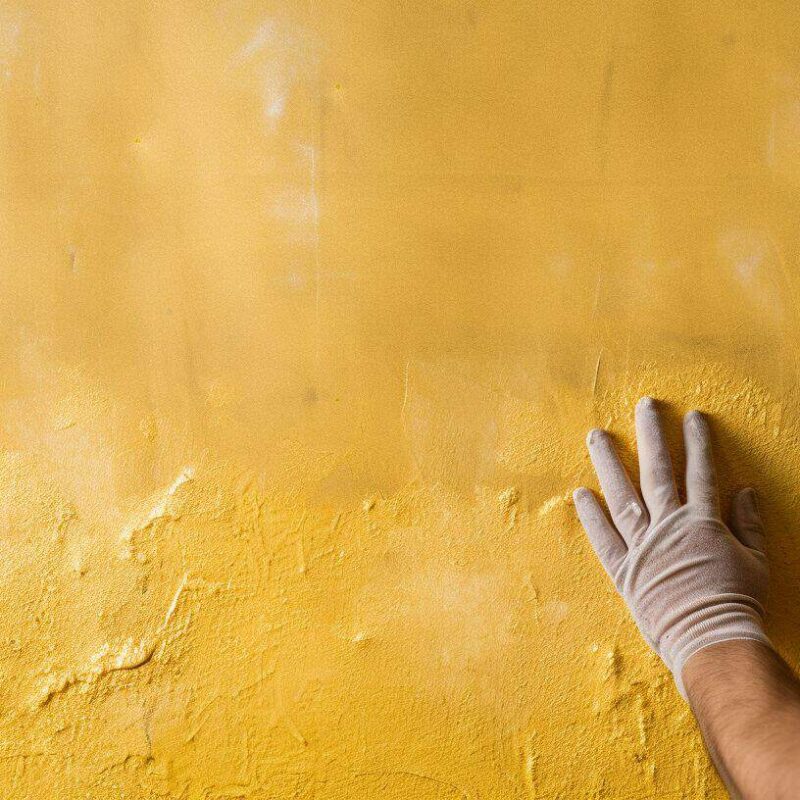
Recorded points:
(747, 702)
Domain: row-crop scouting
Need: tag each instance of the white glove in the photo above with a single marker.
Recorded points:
(688, 581)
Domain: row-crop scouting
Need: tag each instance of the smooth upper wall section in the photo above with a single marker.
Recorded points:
(305, 309)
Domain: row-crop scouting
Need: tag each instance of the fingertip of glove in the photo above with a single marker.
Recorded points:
(594, 436)
(646, 403)
(749, 497)
(694, 417)
(580, 494)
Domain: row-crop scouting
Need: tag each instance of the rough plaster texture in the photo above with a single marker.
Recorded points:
(305, 309)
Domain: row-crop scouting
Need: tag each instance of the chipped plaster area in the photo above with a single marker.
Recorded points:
(257, 641)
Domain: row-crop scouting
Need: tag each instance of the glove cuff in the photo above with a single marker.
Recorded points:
(734, 617)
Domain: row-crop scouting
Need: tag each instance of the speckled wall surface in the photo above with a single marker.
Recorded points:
(305, 309)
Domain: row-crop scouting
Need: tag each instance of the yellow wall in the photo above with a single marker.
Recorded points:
(304, 311)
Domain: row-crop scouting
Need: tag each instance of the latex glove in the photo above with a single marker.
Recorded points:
(688, 580)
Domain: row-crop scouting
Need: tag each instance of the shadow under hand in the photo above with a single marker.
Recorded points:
(769, 461)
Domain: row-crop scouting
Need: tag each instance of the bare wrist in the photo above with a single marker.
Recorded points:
(732, 663)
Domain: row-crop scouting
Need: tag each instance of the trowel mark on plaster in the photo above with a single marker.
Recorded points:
(130, 655)
(596, 373)
(264, 34)
(187, 474)
(287, 56)
(160, 511)
(10, 30)
(276, 80)
(551, 504)
(626, 703)
(174, 604)
(507, 501)
(530, 759)
(406, 387)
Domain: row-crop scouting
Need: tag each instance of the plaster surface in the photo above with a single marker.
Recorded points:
(305, 309)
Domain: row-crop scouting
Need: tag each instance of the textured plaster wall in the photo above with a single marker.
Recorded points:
(305, 308)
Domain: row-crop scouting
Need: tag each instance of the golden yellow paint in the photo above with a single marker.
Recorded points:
(305, 309)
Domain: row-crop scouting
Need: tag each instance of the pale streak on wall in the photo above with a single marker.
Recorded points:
(305, 309)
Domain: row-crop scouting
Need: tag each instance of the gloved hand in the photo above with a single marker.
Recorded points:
(688, 580)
